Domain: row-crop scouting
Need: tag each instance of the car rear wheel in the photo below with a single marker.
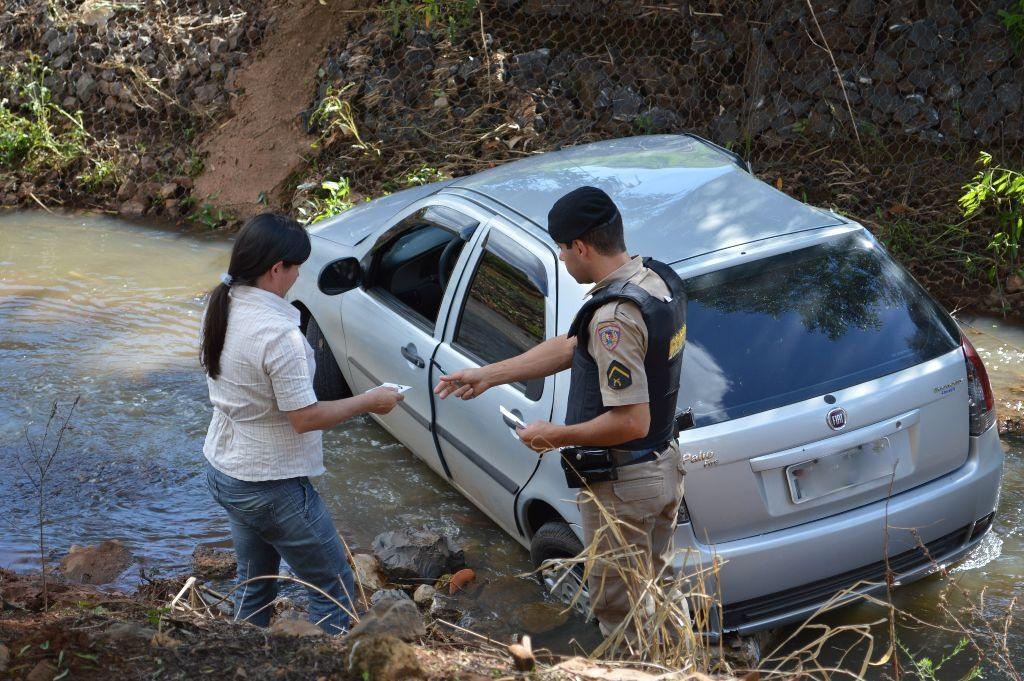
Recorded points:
(555, 539)
(328, 382)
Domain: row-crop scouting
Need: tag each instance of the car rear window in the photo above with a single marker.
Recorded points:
(794, 326)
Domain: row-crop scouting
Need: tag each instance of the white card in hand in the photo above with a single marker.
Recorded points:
(396, 386)
(512, 417)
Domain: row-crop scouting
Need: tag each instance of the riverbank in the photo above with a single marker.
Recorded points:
(87, 633)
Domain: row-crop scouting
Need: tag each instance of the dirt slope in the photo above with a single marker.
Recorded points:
(263, 142)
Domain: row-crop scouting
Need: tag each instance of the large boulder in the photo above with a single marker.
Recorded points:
(99, 564)
(416, 555)
(399, 618)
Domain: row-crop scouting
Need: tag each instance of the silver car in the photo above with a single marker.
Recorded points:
(828, 394)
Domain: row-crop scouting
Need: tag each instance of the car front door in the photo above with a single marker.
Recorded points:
(390, 322)
(504, 306)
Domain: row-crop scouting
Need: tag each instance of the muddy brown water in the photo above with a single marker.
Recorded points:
(109, 310)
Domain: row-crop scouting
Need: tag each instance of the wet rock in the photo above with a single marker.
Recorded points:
(445, 608)
(43, 671)
(417, 554)
(367, 569)
(208, 562)
(423, 594)
(537, 618)
(398, 618)
(383, 658)
(387, 595)
(132, 209)
(127, 631)
(294, 628)
(99, 564)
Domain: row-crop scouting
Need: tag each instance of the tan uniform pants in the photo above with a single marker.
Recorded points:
(646, 500)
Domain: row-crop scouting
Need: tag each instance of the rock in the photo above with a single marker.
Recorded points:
(218, 45)
(423, 594)
(5, 656)
(445, 608)
(85, 88)
(128, 631)
(925, 35)
(383, 658)
(99, 564)
(540, 617)
(983, 59)
(367, 569)
(885, 68)
(626, 104)
(169, 190)
(386, 595)
(1009, 96)
(1014, 283)
(208, 562)
(294, 628)
(417, 554)
(132, 209)
(724, 129)
(398, 618)
(43, 671)
(207, 93)
(125, 192)
(529, 68)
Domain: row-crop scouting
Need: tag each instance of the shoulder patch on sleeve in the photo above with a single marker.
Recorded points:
(619, 376)
(609, 334)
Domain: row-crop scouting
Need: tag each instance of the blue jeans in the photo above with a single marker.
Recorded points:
(277, 519)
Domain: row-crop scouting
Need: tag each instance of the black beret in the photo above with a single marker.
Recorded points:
(578, 212)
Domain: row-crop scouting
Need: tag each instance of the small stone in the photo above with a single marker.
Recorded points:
(85, 88)
(295, 628)
(43, 671)
(383, 658)
(128, 631)
(398, 618)
(388, 595)
(125, 192)
(167, 191)
(441, 102)
(417, 554)
(367, 569)
(207, 93)
(423, 594)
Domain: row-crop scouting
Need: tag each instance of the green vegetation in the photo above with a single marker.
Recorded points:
(998, 192)
(451, 16)
(927, 670)
(1013, 20)
(423, 175)
(331, 199)
(334, 116)
(210, 216)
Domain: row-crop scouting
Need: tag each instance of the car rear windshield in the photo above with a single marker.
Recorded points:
(794, 326)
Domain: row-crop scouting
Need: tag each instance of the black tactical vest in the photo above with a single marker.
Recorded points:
(666, 335)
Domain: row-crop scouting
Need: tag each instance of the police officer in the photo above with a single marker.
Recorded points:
(625, 351)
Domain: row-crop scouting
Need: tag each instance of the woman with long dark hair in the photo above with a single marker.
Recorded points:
(264, 441)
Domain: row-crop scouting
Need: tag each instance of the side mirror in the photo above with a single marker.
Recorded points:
(340, 276)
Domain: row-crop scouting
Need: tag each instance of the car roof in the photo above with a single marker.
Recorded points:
(679, 196)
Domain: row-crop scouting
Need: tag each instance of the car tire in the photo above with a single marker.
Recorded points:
(555, 539)
(328, 382)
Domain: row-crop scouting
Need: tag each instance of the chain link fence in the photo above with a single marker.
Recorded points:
(876, 109)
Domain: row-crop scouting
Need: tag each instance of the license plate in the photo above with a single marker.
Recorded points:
(830, 474)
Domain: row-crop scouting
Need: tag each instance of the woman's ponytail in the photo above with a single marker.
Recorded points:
(215, 326)
(265, 239)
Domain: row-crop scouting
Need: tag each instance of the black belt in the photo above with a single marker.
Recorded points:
(628, 457)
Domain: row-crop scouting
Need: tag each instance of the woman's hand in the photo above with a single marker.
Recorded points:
(381, 400)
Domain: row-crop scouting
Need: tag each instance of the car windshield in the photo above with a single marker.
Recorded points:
(802, 324)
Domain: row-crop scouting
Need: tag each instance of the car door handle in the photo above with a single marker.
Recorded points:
(409, 352)
(509, 422)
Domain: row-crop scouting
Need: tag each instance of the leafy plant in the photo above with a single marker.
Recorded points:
(452, 16)
(998, 191)
(99, 173)
(423, 175)
(331, 199)
(927, 670)
(1013, 20)
(211, 216)
(335, 118)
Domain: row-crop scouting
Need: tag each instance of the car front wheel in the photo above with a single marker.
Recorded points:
(328, 382)
(555, 540)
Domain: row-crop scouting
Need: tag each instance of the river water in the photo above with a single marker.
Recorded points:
(110, 311)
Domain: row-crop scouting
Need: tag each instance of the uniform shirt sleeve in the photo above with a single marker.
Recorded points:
(618, 343)
(286, 364)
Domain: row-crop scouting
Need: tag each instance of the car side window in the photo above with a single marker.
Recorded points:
(504, 310)
(414, 262)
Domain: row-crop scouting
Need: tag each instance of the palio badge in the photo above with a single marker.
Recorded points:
(704, 456)
(948, 388)
(678, 340)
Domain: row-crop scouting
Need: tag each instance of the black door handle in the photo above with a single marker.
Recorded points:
(409, 352)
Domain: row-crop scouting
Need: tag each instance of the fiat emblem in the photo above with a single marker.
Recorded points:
(836, 418)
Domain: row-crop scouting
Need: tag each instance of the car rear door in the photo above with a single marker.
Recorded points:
(391, 322)
(821, 380)
(504, 305)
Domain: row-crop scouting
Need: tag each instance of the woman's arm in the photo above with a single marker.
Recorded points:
(324, 415)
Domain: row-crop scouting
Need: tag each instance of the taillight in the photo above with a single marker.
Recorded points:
(982, 407)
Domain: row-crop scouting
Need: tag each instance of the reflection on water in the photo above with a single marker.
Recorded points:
(110, 311)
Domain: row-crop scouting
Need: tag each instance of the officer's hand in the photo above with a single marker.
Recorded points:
(382, 400)
(465, 384)
(540, 436)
